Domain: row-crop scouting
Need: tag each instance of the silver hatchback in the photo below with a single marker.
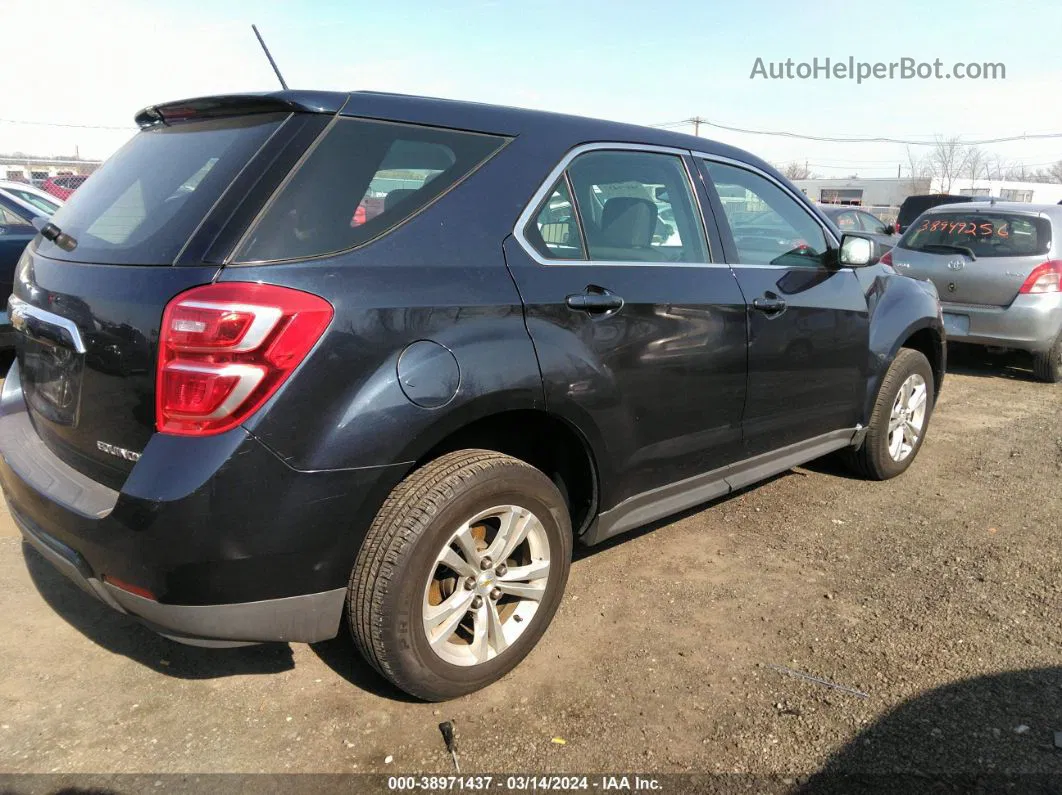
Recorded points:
(998, 269)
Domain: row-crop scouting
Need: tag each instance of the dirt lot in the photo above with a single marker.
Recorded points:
(937, 595)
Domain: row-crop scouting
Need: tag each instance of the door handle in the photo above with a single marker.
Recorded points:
(769, 306)
(594, 303)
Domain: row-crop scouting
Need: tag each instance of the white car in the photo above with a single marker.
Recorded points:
(33, 200)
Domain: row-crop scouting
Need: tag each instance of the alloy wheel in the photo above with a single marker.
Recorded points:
(486, 585)
(908, 417)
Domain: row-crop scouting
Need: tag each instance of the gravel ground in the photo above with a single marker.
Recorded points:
(934, 598)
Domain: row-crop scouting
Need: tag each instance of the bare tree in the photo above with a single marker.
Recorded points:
(996, 167)
(1052, 173)
(919, 174)
(976, 164)
(1018, 173)
(948, 160)
(796, 170)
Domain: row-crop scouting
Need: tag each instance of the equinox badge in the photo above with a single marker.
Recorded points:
(121, 452)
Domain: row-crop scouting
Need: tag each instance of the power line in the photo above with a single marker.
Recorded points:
(130, 128)
(697, 121)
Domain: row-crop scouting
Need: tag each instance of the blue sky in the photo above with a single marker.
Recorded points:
(642, 62)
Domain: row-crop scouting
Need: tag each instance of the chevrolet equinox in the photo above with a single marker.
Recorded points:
(295, 360)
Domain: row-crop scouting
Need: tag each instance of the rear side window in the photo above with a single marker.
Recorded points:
(554, 232)
(360, 181)
(983, 234)
(142, 205)
(637, 207)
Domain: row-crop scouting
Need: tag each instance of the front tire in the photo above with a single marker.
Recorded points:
(1047, 365)
(900, 418)
(460, 573)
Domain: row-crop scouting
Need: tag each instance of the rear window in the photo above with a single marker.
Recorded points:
(142, 205)
(362, 179)
(984, 234)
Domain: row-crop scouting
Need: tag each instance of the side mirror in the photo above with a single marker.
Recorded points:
(890, 229)
(856, 252)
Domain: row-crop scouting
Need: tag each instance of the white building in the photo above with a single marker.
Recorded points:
(891, 191)
(32, 168)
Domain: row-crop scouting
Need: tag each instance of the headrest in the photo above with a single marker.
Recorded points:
(628, 222)
(395, 196)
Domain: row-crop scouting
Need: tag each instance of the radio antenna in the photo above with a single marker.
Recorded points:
(272, 63)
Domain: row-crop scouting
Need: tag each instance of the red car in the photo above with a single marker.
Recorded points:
(63, 185)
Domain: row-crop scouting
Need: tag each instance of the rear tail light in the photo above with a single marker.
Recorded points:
(1046, 278)
(224, 349)
(886, 258)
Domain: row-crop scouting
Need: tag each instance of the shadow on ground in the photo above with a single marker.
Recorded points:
(121, 634)
(980, 362)
(342, 656)
(988, 734)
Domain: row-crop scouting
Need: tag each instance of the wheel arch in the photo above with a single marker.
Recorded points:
(925, 335)
(542, 439)
(929, 341)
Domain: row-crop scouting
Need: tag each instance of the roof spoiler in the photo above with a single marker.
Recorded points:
(226, 105)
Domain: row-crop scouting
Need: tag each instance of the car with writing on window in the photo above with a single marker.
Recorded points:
(241, 414)
(998, 269)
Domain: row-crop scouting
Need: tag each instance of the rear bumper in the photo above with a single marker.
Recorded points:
(232, 545)
(308, 618)
(1030, 323)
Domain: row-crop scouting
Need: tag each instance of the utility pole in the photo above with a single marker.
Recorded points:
(898, 167)
(696, 121)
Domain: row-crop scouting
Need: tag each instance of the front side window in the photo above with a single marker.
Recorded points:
(554, 231)
(362, 179)
(769, 227)
(637, 207)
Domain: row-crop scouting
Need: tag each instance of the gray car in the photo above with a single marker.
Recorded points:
(998, 269)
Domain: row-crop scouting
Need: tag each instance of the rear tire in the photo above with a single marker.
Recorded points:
(898, 423)
(465, 507)
(1047, 365)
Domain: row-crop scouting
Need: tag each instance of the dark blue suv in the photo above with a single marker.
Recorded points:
(294, 359)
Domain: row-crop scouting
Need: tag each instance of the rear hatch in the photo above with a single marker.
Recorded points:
(142, 229)
(978, 256)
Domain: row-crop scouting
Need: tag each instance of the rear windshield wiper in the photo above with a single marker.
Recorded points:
(948, 248)
(50, 231)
